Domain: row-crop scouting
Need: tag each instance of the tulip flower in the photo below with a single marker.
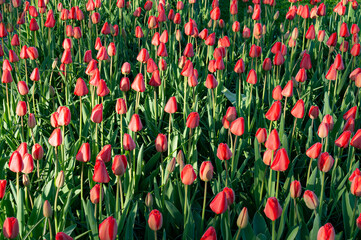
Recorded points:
(62, 236)
(210, 234)
(155, 221)
(11, 228)
(310, 199)
(219, 203)
(2, 188)
(326, 232)
(108, 229)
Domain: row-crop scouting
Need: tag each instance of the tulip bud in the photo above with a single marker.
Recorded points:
(206, 171)
(47, 210)
(26, 181)
(310, 199)
(242, 220)
(295, 189)
(171, 165)
(31, 120)
(155, 220)
(108, 229)
(180, 160)
(11, 228)
(149, 200)
(59, 183)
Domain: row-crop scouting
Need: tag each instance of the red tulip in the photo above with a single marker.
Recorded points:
(310, 199)
(28, 163)
(223, 152)
(229, 195)
(343, 140)
(299, 109)
(11, 228)
(188, 175)
(206, 171)
(84, 153)
(97, 114)
(155, 220)
(325, 162)
(219, 203)
(119, 165)
(273, 141)
(100, 172)
(128, 143)
(64, 117)
(23, 88)
(138, 83)
(237, 126)
(2, 188)
(288, 89)
(192, 120)
(351, 113)
(326, 232)
(210, 234)
(273, 209)
(135, 123)
(356, 140)
(21, 109)
(56, 138)
(276, 93)
(281, 161)
(313, 113)
(301, 75)
(356, 186)
(108, 229)
(295, 189)
(62, 236)
(16, 162)
(161, 144)
(143, 55)
(171, 106)
(80, 88)
(261, 135)
(37, 151)
(274, 113)
(314, 151)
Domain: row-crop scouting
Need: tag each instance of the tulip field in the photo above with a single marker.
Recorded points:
(189, 119)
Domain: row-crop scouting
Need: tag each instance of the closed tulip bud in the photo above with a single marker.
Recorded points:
(102, 89)
(310, 199)
(180, 160)
(3, 188)
(37, 152)
(276, 93)
(128, 142)
(223, 152)
(121, 106)
(236, 27)
(135, 123)
(329, 121)
(358, 222)
(206, 171)
(111, 49)
(349, 125)
(66, 58)
(294, 34)
(273, 209)
(6, 77)
(219, 203)
(229, 195)
(26, 180)
(55, 138)
(62, 236)
(108, 229)
(268, 156)
(323, 130)
(155, 220)
(314, 151)
(274, 113)
(237, 126)
(356, 186)
(28, 163)
(188, 175)
(351, 113)
(295, 189)
(273, 140)
(80, 88)
(95, 194)
(100, 172)
(161, 144)
(149, 200)
(355, 50)
(84, 153)
(59, 183)
(105, 154)
(64, 117)
(261, 135)
(11, 228)
(325, 162)
(313, 113)
(299, 109)
(321, 35)
(252, 77)
(326, 232)
(47, 210)
(97, 114)
(343, 140)
(21, 109)
(192, 120)
(119, 165)
(281, 161)
(31, 120)
(23, 88)
(332, 40)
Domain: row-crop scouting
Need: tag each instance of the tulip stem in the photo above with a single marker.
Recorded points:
(270, 175)
(22, 127)
(309, 171)
(238, 232)
(38, 168)
(204, 205)
(226, 165)
(56, 161)
(55, 209)
(121, 194)
(81, 181)
(284, 109)
(185, 204)
(50, 232)
(249, 109)
(322, 193)
(155, 106)
(293, 132)
(100, 202)
(353, 215)
(296, 217)
(169, 129)
(278, 181)
(80, 120)
(117, 198)
(7, 100)
(214, 107)
(17, 185)
(233, 154)
(273, 230)
(190, 141)
(155, 235)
